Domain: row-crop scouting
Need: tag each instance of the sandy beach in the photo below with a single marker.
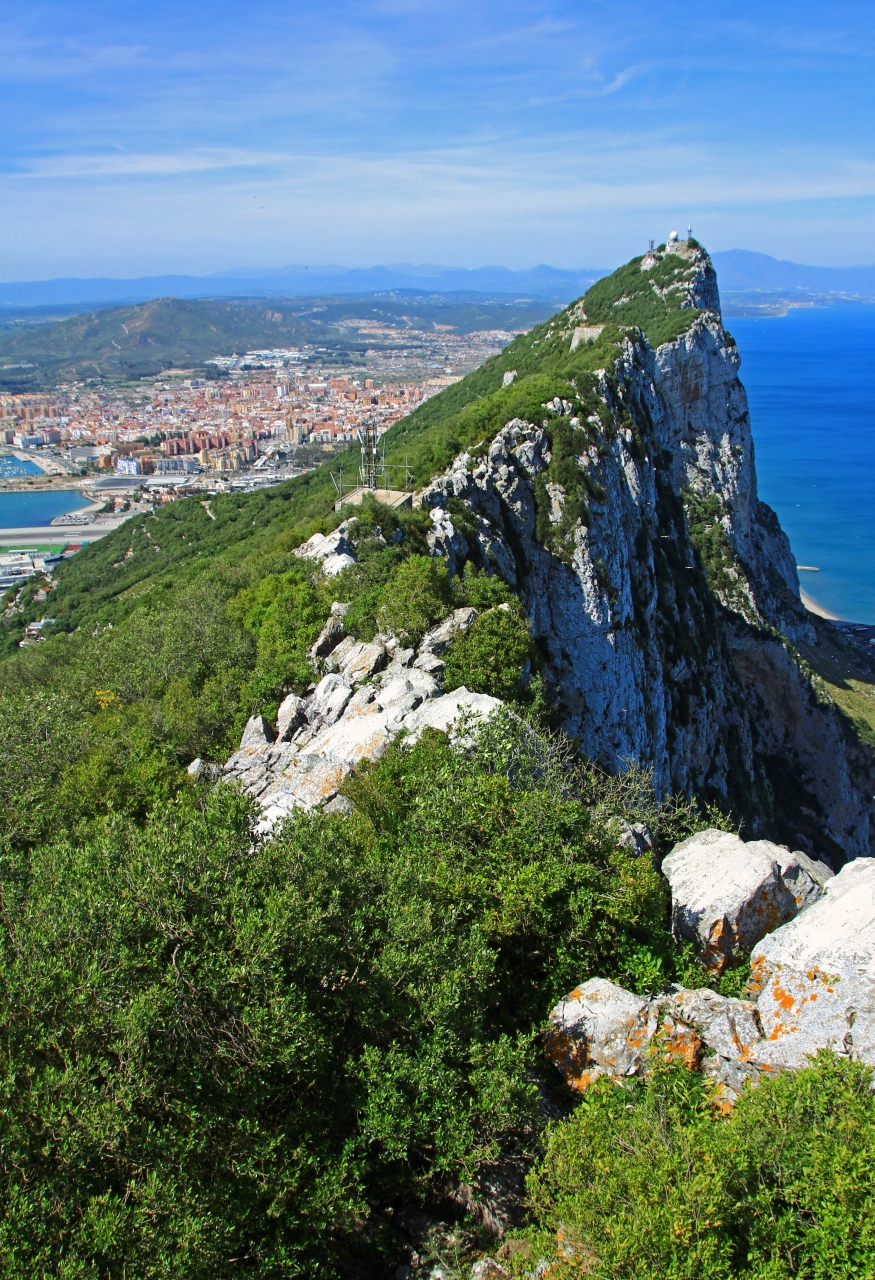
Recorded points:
(813, 607)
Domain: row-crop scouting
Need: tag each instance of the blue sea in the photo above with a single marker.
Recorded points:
(27, 510)
(810, 380)
(11, 467)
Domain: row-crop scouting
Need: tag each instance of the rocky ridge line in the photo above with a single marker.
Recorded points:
(370, 693)
(668, 610)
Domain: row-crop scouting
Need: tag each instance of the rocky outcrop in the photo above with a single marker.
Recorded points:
(812, 987)
(601, 1029)
(662, 592)
(372, 692)
(332, 551)
(815, 977)
(727, 895)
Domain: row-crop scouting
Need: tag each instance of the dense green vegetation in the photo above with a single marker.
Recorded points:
(170, 333)
(652, 1181)
(223, 1054)
(223, 1059)
(650, 299)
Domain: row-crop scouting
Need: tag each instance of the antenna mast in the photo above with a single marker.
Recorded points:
(373, 463)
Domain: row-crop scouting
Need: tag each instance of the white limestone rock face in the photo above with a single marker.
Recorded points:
(373, 693)
(812, 987)
(290, 717)
(726, 894)
(333, 565)
(639, 663)
(805, 877)
(440, 637)
(601, 1029)
(322, 545)
(257, 734)
(815, 977)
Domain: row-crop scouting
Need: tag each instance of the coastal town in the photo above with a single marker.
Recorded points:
(110, 451)
(255, 410)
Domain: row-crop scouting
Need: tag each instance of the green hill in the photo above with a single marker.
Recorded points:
(121, 343)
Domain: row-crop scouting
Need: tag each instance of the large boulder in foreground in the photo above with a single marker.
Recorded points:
(815, 977)
(727, 895)
(601, 1029)
(812, 988)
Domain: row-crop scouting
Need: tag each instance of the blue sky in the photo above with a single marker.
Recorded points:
(149, 137)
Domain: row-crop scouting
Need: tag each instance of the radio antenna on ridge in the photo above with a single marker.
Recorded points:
(373, 463)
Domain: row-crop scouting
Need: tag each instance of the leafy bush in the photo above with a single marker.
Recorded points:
(652, 1181)
(285, 612)
(494, 655)
(416, 594)
(224, 1058)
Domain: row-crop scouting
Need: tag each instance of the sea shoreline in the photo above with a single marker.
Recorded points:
(813, 607)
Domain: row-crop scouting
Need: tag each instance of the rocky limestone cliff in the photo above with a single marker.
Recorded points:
(662, 592)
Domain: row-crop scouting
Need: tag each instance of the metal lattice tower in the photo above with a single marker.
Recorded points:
(373, 465)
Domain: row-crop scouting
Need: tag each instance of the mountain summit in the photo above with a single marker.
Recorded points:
(604, 468)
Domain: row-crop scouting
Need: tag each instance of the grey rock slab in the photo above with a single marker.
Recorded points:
(458, 712)
(805, 877)
(339, 804)
(362, 702)
(393, 693)
(202, 769)
(363, 661)
(333, 565)
(257, 735)
(597, 1030)
(440, 637)
(329, 700)
(328, 638)
(313, 778)
(350, 741)
(321, 546)
(340, 653)
(603, 1029)
(430, 663)
(728, 1032)
(726, 894)
(815, 977)
(635, 836)
(291, 715)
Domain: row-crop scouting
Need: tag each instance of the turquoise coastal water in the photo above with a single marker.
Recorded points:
(810, 379)
(27, 510)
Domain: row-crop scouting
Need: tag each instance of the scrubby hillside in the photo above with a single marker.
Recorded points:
(314, 1050)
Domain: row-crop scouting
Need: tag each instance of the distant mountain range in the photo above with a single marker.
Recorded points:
(549, 283)
(738, 271)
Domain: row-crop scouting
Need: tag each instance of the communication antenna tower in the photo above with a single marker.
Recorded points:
(373, 463)
(373, 467)
(650, 246)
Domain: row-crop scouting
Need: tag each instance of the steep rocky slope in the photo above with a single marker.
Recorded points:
(663, 592)
(614, 488)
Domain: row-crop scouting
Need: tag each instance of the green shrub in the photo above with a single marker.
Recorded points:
(222, 1056)
(416, 594)
(493, 656)
(652, 1180)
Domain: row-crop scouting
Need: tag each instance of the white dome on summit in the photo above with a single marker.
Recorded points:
(672, 235)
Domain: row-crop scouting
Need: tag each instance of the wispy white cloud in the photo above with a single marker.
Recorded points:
(121, 164)
(478, 127)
